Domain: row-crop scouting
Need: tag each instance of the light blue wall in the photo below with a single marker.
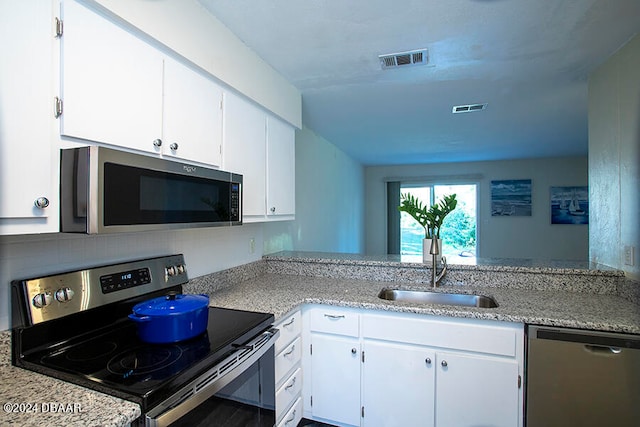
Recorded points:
(531, 237)
(614, 159)
(329, 201)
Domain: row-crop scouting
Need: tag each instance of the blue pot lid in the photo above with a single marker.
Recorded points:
(171, 305)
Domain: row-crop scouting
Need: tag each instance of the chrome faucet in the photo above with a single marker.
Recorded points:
(435, 251)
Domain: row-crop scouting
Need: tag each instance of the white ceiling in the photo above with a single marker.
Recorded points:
(528, 59)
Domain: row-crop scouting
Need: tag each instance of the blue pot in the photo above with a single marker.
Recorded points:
(172, 318)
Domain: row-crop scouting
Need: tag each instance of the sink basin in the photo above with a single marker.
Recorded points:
(426, 297)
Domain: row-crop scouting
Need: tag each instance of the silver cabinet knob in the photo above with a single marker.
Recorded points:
(157, 142)
(354, 351)
(174, 146)
(427, 361)
(444, 363)
(41, 202)
(273, 209)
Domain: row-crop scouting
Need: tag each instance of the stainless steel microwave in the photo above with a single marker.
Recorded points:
(109, 191)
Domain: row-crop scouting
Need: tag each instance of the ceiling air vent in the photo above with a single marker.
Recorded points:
(403, 59)
(468, 108)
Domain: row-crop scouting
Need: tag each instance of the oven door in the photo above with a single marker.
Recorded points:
(238, 391)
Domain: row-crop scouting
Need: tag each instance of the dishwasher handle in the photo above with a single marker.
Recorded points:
(602, 349)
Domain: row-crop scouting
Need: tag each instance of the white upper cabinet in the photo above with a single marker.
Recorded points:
(111, 82)
(262, 149)
(192, 115)
(117, 89)
(281, 169)
(244, 152)
(28, 153)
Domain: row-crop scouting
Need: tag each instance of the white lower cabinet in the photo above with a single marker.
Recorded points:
(293, 417)
(397, 381)
(335, 378)
(369, 368)
(474, 390)
(288, 371)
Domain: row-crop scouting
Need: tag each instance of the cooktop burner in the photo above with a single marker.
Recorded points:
(143, 360)
(119, 360)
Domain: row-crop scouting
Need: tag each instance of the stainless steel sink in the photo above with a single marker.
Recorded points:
(427, 297)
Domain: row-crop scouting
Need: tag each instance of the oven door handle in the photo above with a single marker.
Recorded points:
(181, 402)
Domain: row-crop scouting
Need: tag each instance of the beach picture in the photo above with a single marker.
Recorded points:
(511, 197)
(569, 205)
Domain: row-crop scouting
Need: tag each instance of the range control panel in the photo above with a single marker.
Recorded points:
(62, 294)
(124, 280)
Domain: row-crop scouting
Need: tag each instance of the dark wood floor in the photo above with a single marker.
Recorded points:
(309, 423)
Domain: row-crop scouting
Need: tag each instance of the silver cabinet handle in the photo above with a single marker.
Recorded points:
(289, 323)
(444, 363)
(157, 142)
(293, 417)
(334, 316)
(293, 347)
(41, 202)
(174, 146)
(273, 209)
(428, 361)
(354, 351)
(293, 382)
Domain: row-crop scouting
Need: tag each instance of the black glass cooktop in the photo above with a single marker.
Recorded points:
(119, 361)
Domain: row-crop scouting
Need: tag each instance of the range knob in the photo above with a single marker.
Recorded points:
(64, 294)
(171, 271)
(42, 300)
(180, 268)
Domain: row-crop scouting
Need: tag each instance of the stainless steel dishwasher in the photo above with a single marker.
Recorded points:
(582, 378)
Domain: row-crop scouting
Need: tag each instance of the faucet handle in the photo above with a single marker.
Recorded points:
(434, 249)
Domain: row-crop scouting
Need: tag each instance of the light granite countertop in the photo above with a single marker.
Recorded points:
(282, 293)
(32, 399)
(458, 262)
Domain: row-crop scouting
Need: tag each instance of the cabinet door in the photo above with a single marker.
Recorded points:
(27, 150)
(476, 391)
(397, 385)
(111, 82)
(192, 115)
(280, 169)
(335, 378)
(244, 152)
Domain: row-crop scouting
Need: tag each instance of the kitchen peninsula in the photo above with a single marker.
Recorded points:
(559, 294)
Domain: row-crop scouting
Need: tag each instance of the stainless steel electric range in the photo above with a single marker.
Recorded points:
(74, 326)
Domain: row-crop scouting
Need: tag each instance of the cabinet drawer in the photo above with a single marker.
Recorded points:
(459, 334)
(288, 392)
(294, 415)
(290, 327)
(287, 359)
(332, 321)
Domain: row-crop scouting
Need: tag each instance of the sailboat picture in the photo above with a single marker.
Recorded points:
(569, 205)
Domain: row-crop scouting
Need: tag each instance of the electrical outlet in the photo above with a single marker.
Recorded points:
(252, 245)
(629, 255)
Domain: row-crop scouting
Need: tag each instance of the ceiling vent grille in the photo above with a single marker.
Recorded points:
(403, 59)
(468, 108)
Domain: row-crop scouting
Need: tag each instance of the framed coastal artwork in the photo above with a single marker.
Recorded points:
(569, 205)
(511, 197)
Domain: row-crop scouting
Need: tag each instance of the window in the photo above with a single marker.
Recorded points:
(459, 228)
